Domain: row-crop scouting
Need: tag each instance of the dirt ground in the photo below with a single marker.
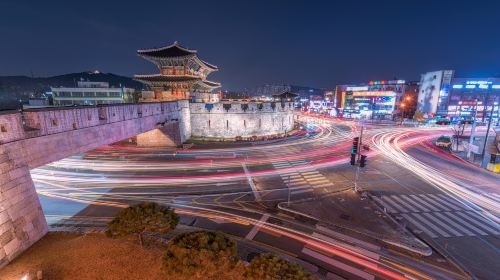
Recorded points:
(77, 256)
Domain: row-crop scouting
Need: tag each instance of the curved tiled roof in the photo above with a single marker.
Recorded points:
(165, 78)
(174, 50)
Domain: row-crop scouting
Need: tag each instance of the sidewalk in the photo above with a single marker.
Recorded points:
(353, 215)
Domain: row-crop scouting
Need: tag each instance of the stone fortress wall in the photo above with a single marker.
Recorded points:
(39, 137)
(241, 119)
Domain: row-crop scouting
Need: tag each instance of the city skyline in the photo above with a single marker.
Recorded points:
(339, 43)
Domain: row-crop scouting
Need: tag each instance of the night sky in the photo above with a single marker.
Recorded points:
(313, 43)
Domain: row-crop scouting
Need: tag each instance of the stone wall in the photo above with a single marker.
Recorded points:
(245, 119)
(39, 137)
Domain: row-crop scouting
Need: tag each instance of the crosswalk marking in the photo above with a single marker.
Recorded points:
(396, 198)
(439, 215)
(431, 207)
(444, 225)
(419, 225)
(415, 203)
(461, 221)
(300, 181)
(483, 226)
(396, 205)
(456, 225)
(445, 201)
(436, 204)
(257, 226)
(453, 201)
(385, 205)
(431, 225)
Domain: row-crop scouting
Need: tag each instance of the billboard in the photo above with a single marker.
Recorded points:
(428, 92)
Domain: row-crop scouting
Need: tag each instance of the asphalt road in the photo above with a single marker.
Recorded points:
(236, 189)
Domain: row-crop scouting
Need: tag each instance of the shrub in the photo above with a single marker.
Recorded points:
(202, 255)
(269, 266)
(141, 218)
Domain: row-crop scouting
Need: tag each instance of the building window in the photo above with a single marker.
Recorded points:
(74, 126)
(3, 128)
(209, 124)
(227, 124)
(54, 122)
(89, 117)
(260, 123)
(245, 123)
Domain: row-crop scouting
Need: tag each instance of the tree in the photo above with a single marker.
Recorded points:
(269, 266)
(202, 255)
(141, 218)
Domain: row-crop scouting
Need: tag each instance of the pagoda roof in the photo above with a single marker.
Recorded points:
(173, 50)
(211, 66)
(166, 78)
(210, 84)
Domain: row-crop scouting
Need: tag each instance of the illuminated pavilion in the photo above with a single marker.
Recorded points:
(181, 73)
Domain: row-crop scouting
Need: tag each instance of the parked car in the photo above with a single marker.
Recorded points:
(444, 142)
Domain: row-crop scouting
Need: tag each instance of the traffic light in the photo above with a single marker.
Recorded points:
(362, 161)
(355, 145)
(353, 159)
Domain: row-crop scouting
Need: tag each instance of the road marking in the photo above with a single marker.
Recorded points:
(456, 225)
(445, 201)
(395, 204)
(418, 206)
(257, 226)
(385, 205)
(453, 201)
(424, 202)
(444, 225)
(464, 223)
(250, 182)
(435, 203)
(483, 226)
(337, 264)
(302, 191)
(403, 203)
(419, 225)
(348, 238)
(353, 248)
(433, 226)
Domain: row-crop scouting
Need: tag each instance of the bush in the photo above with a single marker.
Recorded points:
(269, 266)
(141, 218)
(202, 255)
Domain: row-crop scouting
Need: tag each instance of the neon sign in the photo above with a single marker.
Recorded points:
(356, 88)
(458, 86)
(478, 82)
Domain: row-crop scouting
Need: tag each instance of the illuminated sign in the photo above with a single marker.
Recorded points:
(374, 93)
(470, 86)
(458, 86)
(495, 86)
(356, 88)
(391, 82)
(483, 86)
(478, 82)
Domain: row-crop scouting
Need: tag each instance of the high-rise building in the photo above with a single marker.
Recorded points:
(182, 75)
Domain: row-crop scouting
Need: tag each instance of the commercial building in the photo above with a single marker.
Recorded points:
(375, 99)
(444, 96)
(91, 93)
(471, 99)
(433, 92)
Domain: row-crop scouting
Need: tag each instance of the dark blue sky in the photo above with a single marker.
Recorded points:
(315, 43)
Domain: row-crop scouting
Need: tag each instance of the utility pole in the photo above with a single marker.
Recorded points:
(472, 131)
(487, 134)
